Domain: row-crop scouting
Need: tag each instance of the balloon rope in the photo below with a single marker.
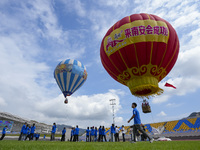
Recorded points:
(152, 116)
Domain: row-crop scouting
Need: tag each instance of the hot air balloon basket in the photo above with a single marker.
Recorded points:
(146, 109)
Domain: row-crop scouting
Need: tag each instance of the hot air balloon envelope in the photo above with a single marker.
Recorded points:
(70, 75)
(139, 51)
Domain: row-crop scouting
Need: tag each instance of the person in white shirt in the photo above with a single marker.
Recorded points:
(116, 134)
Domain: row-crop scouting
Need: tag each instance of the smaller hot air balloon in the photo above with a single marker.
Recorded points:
(70, 75)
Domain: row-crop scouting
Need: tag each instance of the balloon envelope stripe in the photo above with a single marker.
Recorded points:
(59, 82)
(66, 61)
(77, 82)
(65, 80)
(68, 78)
(71, 80)
(75, 62)
(62, 81)
(74, 81)
(79, 64)
(71, 61)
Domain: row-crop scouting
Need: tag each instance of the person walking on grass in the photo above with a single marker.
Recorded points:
(3, 133)
(137, 124)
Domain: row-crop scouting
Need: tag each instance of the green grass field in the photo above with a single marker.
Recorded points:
(57, 145)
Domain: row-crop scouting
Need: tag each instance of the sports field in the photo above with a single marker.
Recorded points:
(57, 145)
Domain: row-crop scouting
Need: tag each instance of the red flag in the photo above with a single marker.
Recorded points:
(169, 85)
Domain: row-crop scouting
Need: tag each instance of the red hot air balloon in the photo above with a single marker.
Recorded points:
(139, 51)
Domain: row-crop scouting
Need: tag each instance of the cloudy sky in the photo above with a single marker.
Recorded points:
(35, 35)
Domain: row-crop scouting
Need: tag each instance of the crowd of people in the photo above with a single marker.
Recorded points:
(92, 133)
(28, 131)
(74, 134)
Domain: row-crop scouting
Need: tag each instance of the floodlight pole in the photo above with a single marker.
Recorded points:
(112, 103)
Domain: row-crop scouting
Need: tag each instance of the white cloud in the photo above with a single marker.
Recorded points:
(174, 105)
(114, 3)
(76, 6)
(2, 102)
(160, 99)
(161, 114)
(84, 108)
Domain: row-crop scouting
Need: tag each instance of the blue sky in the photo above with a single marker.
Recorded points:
(35, 35)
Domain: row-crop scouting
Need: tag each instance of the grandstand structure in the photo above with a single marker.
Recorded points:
(17, 122)
(186, 128)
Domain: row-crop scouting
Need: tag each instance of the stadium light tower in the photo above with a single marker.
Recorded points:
(112, 103)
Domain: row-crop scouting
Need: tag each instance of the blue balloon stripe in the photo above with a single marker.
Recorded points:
(59, 63)
(78, 86)
(60, 82)
(68, 79)
(65, 80)
(67, 61)
(71, 80)
(78, 79)
(75, 62)
(74, 81)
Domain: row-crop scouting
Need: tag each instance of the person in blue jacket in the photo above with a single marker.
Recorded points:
(21, 133)
(3, 132)
(63, 134)
(28, 132)
(92, 134)
(104, 134)
(72, 134)
(76, 133)
(88, 134)
(37, 136)
(25, 131)
(100, 134)
(53, 131)
(112, 131)
(32, 132)
(95, 134)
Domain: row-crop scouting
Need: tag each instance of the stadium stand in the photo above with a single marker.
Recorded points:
(184, 128)
(18, 122)
(187, 127)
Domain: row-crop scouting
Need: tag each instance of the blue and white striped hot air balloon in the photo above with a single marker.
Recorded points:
(70, 74)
